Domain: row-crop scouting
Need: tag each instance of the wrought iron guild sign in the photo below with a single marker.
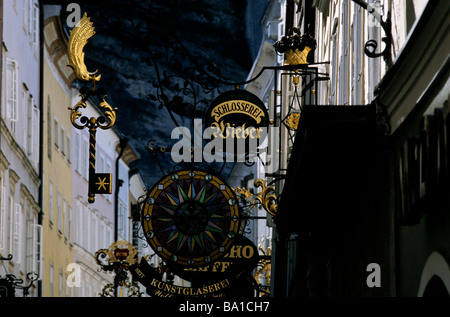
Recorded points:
(99, 183)
(118, 258)
(241, 116)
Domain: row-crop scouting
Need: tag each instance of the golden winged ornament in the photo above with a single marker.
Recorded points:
(79, 36)
(267, 197)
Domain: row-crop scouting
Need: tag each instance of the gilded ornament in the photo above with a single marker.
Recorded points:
(267, 197)
(243, 192)
(292, 120)
(79, 36)
(297, 57)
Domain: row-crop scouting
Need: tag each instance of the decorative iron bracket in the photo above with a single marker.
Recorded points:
(99, 183)
(266, 197)
(371, 45)
(10, 282)
(118, 258)
(8, 258)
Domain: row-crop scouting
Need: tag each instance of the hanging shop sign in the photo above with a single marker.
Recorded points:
(241, 257)
(150, 278)
(238, 115)
(100, 183)
(190, 218)
(238, 285)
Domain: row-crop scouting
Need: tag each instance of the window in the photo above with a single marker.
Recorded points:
(26, 15)
(31, 128)
(51, 280)
(67, 288)
(11, 94)
(109, 236)
(64, 215)
(59, 211)
(34, 247)
(122, 221)
(102, 236)
(2, 213)
(69, 223)
(68, 149)
(35, 136)
(49, 129)
(77, 153)
(16, 232)
(28, 109)
(56, 132)
(50, 201)
(94, 234)
(79, 222)
(101, 165)
(31, 20)
(61, 279)
(373, 64)
(35, 23)
(85, 159)
(343, 59)
(62, 140)
(85, 229)
(357, 51)
(24, 111)
(334, 64)
(108, 167)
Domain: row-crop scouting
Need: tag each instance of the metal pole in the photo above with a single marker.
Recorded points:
(92, 151)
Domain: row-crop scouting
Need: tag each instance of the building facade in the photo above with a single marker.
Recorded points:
(57, 159)
(362, 210)
(20, 170)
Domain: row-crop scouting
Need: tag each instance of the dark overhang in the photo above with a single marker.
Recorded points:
(329, 168)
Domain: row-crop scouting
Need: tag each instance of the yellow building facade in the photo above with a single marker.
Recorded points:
(57, 164)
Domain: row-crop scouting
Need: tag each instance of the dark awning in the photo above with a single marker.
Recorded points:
(330, 169)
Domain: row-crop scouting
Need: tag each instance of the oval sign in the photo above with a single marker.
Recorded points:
(242, 116)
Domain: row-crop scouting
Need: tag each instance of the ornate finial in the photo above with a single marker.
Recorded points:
(78, 39)
(295, 46)
(118, 258)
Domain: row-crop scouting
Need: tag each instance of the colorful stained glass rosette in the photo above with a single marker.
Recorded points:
(190, 218)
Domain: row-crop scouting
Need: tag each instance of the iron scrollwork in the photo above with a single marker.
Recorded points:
(10, 282)
(371, 45)
(267, 197)
(118, 258)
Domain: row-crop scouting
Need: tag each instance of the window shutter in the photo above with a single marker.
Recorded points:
(2, 214)
(37, 266)
(35, 135)
(35, 23)
(11, 89)
(16, 233)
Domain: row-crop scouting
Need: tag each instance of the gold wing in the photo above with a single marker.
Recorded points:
(78, 39)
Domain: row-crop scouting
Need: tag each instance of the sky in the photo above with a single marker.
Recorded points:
(160, 61)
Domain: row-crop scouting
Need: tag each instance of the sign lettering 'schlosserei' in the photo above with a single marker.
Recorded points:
(238, 114)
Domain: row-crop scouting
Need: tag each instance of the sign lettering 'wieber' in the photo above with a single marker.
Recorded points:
(237, 114)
